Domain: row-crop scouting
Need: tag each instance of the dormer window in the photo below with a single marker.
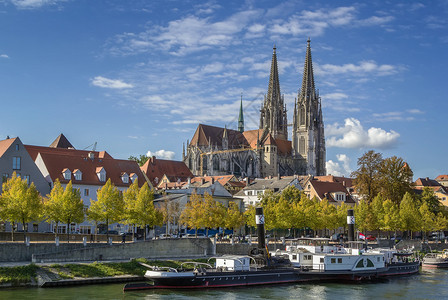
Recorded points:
(78, 174)
(133, 177)
(101, 173)
(67, 174)
(125, 177)
(339, 196)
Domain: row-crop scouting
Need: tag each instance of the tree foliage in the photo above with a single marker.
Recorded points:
(395, 178)
(20, 203)
(141, 159)
(108, 208)
(367, 176)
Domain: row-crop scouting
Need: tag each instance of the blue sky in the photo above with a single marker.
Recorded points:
(138, 76)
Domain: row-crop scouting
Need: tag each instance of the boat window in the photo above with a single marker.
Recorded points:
(333, 260)
(321, 260)
(294, 256)
(339, 260)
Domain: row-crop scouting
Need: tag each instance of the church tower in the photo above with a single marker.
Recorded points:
(308, 140)
(273, 111)
(240, 117)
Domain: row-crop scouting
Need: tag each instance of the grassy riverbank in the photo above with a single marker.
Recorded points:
(16, 276)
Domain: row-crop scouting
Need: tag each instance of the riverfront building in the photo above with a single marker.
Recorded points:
(266, 151)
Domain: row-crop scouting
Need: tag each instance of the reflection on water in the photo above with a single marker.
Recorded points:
(430, 284)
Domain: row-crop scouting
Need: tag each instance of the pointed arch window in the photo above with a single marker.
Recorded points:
(215, 163)
(302, 115)
(302, 145)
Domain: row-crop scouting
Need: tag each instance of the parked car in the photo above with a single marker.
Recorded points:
(109, 232)
(371, 238)
(164, 236)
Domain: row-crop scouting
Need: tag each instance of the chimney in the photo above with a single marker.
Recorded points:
(278, 176)
(153, 160)
(213, 180)
(343, 183)
(202, 180)
(189, 180)
(91, 155)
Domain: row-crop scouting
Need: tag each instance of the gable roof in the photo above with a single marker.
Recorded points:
(346, 181)
(61, 142)
(174, 170)
(426, 182)
(5, 144)
(442, 178)
(206, 134)
(56, 162)
(324, 189)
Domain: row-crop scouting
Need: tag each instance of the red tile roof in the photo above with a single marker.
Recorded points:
(325, 189)
(58, 159)
(174, 170)
(56, 163)
(442, 177)
(5, 144)
(426, 182)
(346, 181)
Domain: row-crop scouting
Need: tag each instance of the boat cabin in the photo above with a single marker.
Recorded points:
(233, 263)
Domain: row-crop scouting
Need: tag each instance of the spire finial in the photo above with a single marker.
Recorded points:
(308, 41)
(275, 48)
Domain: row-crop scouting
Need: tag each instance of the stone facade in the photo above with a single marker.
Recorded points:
(266, 151)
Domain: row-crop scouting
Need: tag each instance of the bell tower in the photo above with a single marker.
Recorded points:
(273, 110)
(308, 140)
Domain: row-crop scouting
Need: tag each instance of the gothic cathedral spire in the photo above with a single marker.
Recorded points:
(308, 140)
(273, 111)
(240, 117)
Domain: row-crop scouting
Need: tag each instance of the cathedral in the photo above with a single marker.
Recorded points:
(266, 151)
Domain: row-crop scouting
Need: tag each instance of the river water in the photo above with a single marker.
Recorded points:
(430, 284)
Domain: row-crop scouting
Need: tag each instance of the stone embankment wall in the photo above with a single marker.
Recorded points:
(49, 252)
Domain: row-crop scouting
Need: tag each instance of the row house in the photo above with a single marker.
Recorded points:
(253, 191)
(14, 158)
(163, 172)
(436, 185)
(88, 171)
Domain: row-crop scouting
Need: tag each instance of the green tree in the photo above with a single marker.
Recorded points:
(395, 178)
(441, 222)
(214, 213)
(391, 219)
(362, 215)
(52, 205)
(130, 213)
(328, 214)
(234, 218)
(71, 207)
(377, 214)
(427, 221)
(141, 159)
(292, 194)
(192, 214)
(21, 203)
(429, 197)
(409, 214)
(108, 208)
(249, 216)
(147, 214)
(367, 176)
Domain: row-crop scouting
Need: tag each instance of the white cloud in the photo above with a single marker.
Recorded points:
(369, 67)
(315, 23)
(4, 56)
(103, 82)
(353, 135)
(186, 35)
(340, 168)
(162, 154)
(30, 4)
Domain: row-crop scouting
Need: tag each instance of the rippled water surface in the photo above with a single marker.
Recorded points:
(430, 284)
